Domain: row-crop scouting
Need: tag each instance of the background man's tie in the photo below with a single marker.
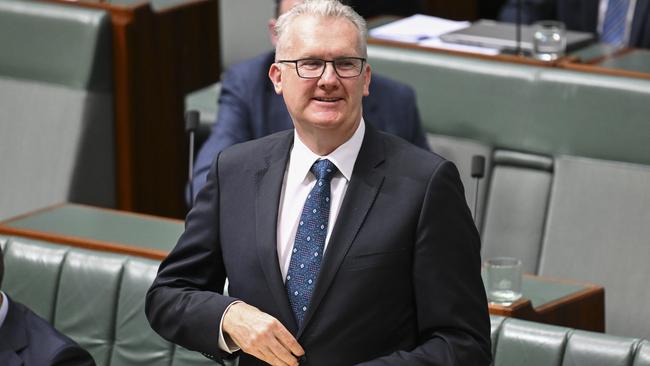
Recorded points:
(310, 241)
(615, 22)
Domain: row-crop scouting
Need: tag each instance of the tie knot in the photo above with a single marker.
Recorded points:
(323, 169)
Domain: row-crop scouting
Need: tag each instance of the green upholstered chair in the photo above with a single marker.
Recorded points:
(56, 106)
(642, 355)
(598, 230)
(460, 151)
(518, 342)
(95, 297)
(516, 210)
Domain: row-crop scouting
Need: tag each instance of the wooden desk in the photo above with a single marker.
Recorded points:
(99, 229)
(601, 59)
(597, 58)
(560, 302)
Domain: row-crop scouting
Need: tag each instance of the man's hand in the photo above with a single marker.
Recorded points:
(261, 335)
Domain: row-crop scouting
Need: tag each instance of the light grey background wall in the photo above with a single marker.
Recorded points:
(244, 29)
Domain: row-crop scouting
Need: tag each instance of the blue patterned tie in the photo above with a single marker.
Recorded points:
(310, 241)
(615, 22)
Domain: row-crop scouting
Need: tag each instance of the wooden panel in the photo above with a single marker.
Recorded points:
(584, 309)
(102, 229)
(158, 57)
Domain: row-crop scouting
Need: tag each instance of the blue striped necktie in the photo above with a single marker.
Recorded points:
(310, 240)
(615, 22)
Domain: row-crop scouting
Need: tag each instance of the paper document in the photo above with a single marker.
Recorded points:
(424, 30)
(417, 28)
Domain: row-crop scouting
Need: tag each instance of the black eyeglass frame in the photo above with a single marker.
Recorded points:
(333, 62)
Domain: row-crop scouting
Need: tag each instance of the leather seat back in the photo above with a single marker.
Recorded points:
(94, 297)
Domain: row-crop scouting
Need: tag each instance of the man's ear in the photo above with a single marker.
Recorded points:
(275, 74)
(367, 76)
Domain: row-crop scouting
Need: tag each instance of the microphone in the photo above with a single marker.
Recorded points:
(478, 172)
(191, 123)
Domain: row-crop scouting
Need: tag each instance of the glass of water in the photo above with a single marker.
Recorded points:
(503, 280)
(549, 40)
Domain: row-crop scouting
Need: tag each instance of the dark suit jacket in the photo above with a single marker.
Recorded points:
(27, 339)
(250, 109)
(400, 281)
(580, 15)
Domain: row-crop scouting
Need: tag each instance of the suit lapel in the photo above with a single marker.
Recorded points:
(361, 193)
(268, 188)
(13, 336)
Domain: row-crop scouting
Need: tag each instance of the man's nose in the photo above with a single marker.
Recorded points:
(329, 74)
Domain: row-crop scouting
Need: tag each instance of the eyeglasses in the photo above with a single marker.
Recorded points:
(313, 68)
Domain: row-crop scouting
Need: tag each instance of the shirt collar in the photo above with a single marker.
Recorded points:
(343, 157)
(4, 308)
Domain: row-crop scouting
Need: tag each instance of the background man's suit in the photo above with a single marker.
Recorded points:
(27, 339)
(580, 15)
(249, 108)
(400, 278)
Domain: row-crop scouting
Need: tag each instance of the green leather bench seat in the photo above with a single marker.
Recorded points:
(517, 342)
(56, 106)
(598, 230)
(542, 110)
(516, 210)
(96, 298)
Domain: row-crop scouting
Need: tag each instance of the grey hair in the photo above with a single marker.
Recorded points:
(323, 8)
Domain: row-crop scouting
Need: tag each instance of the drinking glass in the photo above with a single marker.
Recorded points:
(549, 40)
(503, 280)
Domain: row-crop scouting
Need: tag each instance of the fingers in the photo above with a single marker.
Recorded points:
(289, 342)
(261, 335)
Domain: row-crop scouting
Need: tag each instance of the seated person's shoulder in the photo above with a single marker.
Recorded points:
(387, 85)
(48, 344)
(252, 70)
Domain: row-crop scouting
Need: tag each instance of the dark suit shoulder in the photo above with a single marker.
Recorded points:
(46, 345)
(384, 83)
(251, 71)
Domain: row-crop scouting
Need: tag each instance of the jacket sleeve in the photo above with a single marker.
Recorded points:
(231, 127)
(185, 302)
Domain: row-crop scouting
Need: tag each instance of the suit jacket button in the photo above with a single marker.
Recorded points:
(302, 360)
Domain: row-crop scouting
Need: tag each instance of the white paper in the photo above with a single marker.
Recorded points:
(417, 28)
(425, 31)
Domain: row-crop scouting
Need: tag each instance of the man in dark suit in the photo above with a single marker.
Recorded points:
(27, 339)
(585, 15)
(342, 244)
(249, 108)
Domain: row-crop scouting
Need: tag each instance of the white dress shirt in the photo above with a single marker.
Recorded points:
(4, 308)
(298, 182)
(296, 185)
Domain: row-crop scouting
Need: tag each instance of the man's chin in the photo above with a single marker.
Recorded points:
(326, 120)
